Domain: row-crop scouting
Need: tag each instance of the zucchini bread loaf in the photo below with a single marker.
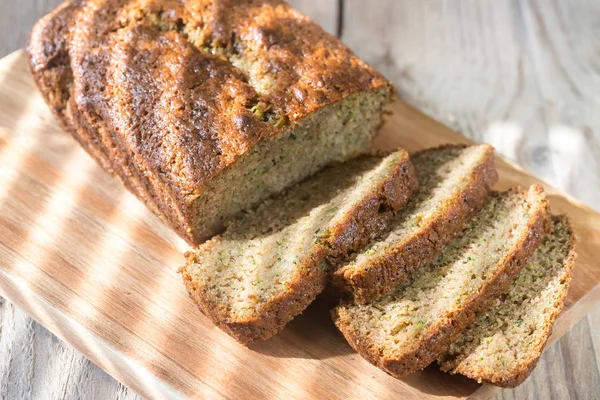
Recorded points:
(270, 263)
(204, 108)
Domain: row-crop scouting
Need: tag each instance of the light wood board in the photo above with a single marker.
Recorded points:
(90, 263)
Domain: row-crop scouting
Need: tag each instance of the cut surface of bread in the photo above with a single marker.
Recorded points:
(408, 329)
(204, 108)
(454, 182)
(504, 344)
(269, 264)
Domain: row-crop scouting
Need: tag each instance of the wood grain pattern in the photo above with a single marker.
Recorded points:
(40, 366)
(17, 19)
(560, 363)
(521, 75)
(323, 12)
(567, 72)
(444, 58)
(569, 36)
(86, 259)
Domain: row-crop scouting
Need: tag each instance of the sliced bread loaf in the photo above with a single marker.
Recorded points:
(408, 329)
(269, 265)
(504, 344)
(204, 108)
(454, 183)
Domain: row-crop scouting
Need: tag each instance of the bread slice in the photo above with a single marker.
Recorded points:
(454, 183)
(269, 265)
(204, 108)
(504, 344)
(408, 329)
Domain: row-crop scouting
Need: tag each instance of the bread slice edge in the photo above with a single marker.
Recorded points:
(520, 374)
(438, 341)
(353, 230)
(388, 271)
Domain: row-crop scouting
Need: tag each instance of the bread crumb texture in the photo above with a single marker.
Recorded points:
(409, 328)
(454, 183)
(504, 344)
(271, 262)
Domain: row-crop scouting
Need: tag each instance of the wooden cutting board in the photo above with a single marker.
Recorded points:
(91, 264)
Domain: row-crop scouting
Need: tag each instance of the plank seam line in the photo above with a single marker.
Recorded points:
(339, 29)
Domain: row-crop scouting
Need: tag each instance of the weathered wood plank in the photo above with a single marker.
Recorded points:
(594, 322)
(323, 12)
(16, 20)
(35, 364)
(565, 50)
(464, 63)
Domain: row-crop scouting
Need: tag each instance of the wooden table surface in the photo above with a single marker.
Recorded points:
(523, 75)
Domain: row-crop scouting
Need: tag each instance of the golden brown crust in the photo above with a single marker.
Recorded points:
(384, 275)
(443, 335)
(50, 65)
(372, 215)
(160, 92)
(364, 222)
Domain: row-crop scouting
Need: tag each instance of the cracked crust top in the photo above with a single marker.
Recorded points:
(192, 84)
